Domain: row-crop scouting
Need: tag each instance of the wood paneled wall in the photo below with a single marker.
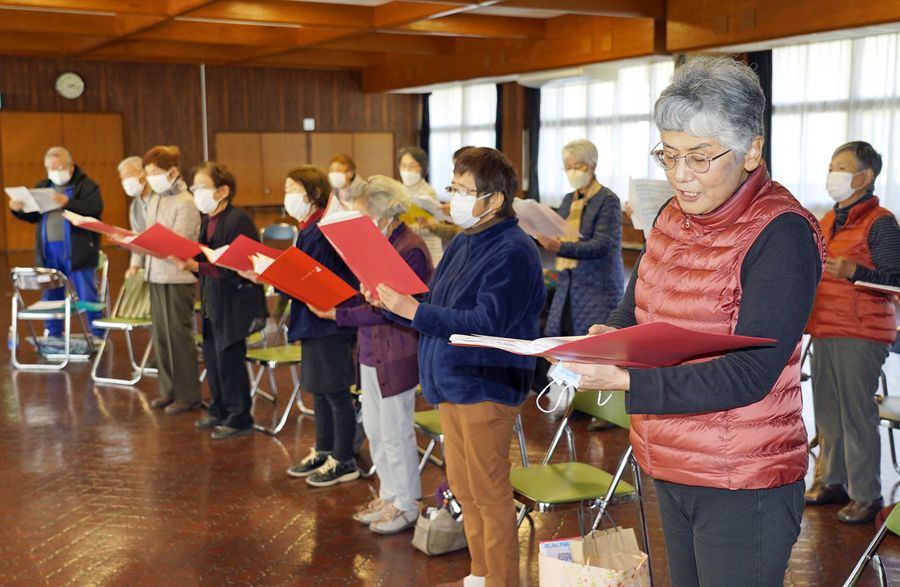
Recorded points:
(160, 103)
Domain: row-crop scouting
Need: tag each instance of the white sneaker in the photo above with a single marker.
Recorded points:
(372, 511)
(474, 581)
(393, 520)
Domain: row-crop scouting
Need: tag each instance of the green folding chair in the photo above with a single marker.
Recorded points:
(870, 554)
(571, 485)
(267, 359)
(130, 313)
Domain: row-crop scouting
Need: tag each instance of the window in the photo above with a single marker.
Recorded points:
(615, 115)
(459, 116)
(825, 94)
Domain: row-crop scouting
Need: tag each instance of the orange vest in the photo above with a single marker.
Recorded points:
(843, 310)
(690, 275)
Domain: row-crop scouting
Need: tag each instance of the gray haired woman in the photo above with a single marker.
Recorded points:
(733, 253)
(388, 368)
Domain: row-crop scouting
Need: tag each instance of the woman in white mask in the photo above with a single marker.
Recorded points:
(413, 165)
(232, 307)
(172, 287)
(327, 349)
(852, 329)
(489, 282)
(343, 179)
(135, 186)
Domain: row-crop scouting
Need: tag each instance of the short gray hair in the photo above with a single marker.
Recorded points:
(866, 158)
(581, 150)
(383, 196)
(59, 153)
(714, 97)
(134, 162)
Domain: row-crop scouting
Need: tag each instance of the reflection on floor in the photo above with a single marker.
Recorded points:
(98, 489)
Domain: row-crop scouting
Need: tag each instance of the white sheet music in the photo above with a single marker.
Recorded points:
(646, 197)
(539, 219)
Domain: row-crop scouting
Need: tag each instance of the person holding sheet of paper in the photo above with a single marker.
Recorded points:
(852, 330)
(58, 244)
(413, 165)
(233, 308)
(388, 368)
(732, 253)
(135, 186)
(327, 349)
(489, 282)
(172, 288)
(591, 275)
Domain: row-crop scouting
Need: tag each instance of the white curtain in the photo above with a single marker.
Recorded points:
(459, 116)
(616, 115)
(826, 94)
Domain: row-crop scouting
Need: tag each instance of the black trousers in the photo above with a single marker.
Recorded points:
(335, 424)
(729, 537)
(229, 381)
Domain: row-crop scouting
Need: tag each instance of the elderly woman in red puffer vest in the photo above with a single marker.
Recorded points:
(734, 253)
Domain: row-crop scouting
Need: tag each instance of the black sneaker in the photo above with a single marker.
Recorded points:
(207, 422)
(223, 432)
(309, 465)
(333, 472)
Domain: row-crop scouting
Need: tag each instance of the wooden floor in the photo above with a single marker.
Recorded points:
(98, 489)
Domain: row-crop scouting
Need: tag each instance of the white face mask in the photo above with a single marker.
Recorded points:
(159, 183)
(838, 185)
(59, 176)
(578, 178)
(132, 186)
(296, 205)
(410, 178)
(337, 179)
(461, 209)
(205, 200)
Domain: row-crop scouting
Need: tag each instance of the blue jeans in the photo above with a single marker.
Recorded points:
(84, 281)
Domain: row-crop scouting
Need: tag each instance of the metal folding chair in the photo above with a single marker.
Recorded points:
(268, 359)
(42, 279)
(870, 554)
(279, 232)
(889, 413)
(131, 312)
(428, 423)
(570, 485)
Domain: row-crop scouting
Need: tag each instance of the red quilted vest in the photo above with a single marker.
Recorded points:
(843, 310)
(690, 275)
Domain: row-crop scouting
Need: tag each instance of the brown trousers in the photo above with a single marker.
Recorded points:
(476, 441)
(172, 312)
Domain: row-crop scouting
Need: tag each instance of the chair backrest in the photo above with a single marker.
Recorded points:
(893, 520)
(37, 278)
(279, 232)
(612, 411)
(134, 298)
(102, 277)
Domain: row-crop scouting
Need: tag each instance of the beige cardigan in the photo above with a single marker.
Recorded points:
(176, 211)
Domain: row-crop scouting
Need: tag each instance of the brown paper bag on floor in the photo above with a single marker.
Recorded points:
(609, 558)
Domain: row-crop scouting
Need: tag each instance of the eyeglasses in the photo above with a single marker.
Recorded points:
(696, 162)
(462, 191)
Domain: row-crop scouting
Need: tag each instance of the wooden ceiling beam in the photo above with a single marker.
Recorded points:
(626, 8)
(394, 43)
(76, 24)
(18, 43)
(694, 25)
(116, 6)
(230, 34)
(395, 14)
(571, 41)
(168, 51)
(311, 14)
(474, 25)
(320, 58)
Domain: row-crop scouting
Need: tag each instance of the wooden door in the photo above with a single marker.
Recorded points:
(241, 152)
(325, 145)
(373, 153)
(280, 152)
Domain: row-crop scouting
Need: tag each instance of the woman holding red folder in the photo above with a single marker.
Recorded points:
(327, 349)
(732, 252)
(232, 307)
(388, 368)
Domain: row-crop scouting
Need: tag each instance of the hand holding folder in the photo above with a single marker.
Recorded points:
(162, 243)
(116, 233)
(236, 256)
(368, 254)
(302, 277)
(652, 344)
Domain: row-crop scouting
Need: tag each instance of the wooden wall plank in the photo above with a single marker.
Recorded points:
(373, 154)
(325, 145)
(242, 153)
(280, 152)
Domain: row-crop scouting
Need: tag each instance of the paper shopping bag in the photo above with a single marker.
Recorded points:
(601, 559)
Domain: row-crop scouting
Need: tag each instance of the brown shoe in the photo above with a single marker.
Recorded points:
(860, 512)
(821, 494)
(177, 408)
(161, 402)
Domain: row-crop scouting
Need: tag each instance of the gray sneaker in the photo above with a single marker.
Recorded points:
(308, 465)
(333, 472)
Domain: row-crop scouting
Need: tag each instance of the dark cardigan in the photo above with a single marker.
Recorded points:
(489, 282)
(84, 198)
(236, 307)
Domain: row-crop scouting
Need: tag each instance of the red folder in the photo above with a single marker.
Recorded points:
(370, 256)
(94, 225)
(237, 256)
(652, 344)
(302, 277)
(163, 243)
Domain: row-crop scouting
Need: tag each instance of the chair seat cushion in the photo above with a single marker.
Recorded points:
(121, 323)
(275, 354)
(564, 483)
(429, 421)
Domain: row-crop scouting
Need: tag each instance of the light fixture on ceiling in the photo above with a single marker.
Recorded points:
(283, 25)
